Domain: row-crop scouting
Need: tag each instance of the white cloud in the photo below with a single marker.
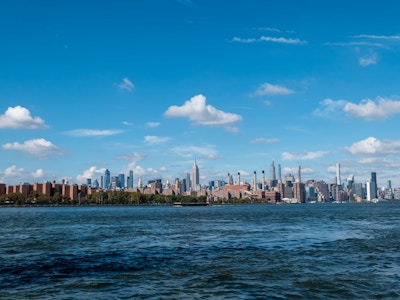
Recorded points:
(303, 156)
(39, 148)
(134, 158)
(39, 173)
(20, 117)
(271, 89)
(356, 44)
(13, 175)
(329, 107)
(281, 40)
(382, 37)
(127, 123)
(152, 124)
(264, 140)
(152, 139)
(197, 111)
(126, 84)
(92, 172)
(194, 151)
(368, 60)
(371, 146)
(370, 110)
(93, 132)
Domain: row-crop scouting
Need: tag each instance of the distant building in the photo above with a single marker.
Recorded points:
(107, 179)
(195, 177)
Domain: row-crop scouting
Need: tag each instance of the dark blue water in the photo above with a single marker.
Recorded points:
(343, 251)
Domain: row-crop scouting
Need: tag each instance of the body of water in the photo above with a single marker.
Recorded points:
(343, 251)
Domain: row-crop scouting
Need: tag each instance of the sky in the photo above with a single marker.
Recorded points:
(152, 86)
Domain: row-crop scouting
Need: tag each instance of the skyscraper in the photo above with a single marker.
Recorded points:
(279, 173)
(338, 180)
(299, 175)
(272, 175)
(107, 179)
(374, 185)
(188, 182)
(195, 177)
(129, 183)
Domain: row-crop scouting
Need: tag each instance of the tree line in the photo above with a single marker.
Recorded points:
(108, 198)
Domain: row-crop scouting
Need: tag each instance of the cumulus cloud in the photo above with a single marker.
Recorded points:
(92, 172)
(93, 132)
(127, 123)
(126, 84)
(368, 60)
(39, 148)
(264, 140)
(152, 139)
(281, 40)
(20, 117)
(328, 108)
(200, 113)
(152, 124)
(133, 159)
(373, 110)
(371, 146)
(207, 152)
(14, 175)
(271, 89)
(307, 155)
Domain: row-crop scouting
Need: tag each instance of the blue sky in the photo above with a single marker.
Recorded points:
(150, 86)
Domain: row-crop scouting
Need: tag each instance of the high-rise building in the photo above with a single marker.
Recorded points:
(188, 182)
(338, 179)
(140, 182)
(129, 180)
(121, 181)
(107, 179)
(195, 177)
(279, 173)
(374, 185)
(299, 175)
(272, 175)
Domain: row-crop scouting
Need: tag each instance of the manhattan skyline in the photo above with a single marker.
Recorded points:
(154, 86)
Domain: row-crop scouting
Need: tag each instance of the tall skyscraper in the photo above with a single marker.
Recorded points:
(195, 177)
(107, 179)
(374, 185)
(121, 181)
(140, 182)
(338, 180)
(129, 182)
(279, 173)
(188, 183)
(299, 175)
(272, 175)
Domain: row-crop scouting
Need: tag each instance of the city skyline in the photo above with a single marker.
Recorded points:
(150, 87)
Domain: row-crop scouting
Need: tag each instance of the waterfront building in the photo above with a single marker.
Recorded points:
(299, 192)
